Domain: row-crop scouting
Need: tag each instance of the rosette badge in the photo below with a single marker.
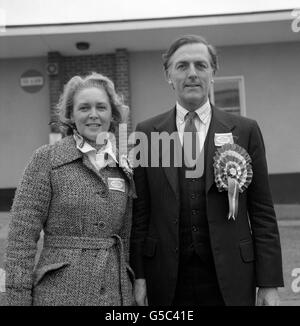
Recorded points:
(233, 173)
(127, 167)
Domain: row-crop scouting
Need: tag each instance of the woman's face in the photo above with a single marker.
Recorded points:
(92, 112)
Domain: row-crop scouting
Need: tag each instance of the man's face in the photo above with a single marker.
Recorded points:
(191, 74)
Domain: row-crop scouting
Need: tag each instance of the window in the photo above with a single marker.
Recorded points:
(228, 94)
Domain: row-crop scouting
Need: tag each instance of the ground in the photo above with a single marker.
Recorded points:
(290, 242)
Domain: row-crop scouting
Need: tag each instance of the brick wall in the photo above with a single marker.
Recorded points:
(113, 65)
(55, 84)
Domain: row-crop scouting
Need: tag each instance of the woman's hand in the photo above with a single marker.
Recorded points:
(140, 292)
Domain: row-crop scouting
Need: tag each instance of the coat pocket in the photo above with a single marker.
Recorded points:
(41, 272)
(247, 251)
(149, 247)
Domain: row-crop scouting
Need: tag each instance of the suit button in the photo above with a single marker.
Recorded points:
(193, 196)
(194, 212)
(175, 221)
(176, 250)
(194, 228)
(103, 193)
(101, 225)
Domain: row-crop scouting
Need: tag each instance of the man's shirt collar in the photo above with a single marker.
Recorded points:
(203, 112)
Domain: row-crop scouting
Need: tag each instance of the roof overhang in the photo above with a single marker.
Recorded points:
(147, 35)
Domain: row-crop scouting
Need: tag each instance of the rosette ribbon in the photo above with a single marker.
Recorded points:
(233, 172)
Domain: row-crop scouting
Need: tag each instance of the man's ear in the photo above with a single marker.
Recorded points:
(167, 76)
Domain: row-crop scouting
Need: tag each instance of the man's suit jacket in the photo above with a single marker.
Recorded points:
(247, 251)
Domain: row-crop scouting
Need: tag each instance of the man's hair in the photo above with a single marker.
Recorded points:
(190, 39)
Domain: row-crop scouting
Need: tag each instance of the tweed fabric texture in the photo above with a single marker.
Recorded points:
(62, 194)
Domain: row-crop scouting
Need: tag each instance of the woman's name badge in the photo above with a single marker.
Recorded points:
(116, 184)
(221, 139)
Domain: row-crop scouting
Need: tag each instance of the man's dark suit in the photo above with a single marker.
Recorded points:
(246, 255)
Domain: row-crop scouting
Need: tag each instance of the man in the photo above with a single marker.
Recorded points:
(184, 249)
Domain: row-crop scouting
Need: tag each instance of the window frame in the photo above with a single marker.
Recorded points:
(241, 87)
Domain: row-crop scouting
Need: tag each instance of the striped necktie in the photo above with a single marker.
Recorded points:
(190, 141)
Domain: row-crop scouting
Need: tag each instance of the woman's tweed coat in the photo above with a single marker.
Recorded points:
(83, 261)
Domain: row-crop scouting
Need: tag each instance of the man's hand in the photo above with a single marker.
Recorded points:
(140, 292)
(267, 297)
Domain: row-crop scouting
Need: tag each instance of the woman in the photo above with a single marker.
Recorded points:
(79, 195)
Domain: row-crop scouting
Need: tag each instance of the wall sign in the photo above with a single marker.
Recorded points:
(32, 81)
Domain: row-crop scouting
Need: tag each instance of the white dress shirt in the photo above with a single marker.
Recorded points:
(201, 122)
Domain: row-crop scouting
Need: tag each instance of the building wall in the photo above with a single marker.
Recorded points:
(272, 87)
(271, 73)
(24, 118)
(150, 92)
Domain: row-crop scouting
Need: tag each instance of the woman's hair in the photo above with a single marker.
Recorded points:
(77, 83)
(190, 39)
